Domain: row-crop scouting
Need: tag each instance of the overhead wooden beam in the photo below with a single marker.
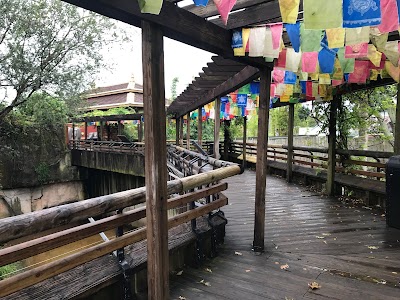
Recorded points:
(215, 67)
(261, 165)
(155, 161)
(245, 76)
(175, 22)
(210, 72)
(220, 61)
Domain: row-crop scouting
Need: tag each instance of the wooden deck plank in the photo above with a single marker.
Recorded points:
(296, 221)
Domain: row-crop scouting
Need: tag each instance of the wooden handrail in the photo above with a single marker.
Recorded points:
(27, 249)
(36, 275)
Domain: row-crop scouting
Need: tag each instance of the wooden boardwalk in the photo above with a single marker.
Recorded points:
(346, 248)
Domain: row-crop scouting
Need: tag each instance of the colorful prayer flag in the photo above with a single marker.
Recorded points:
(357, 51)
(309, 62)
(326, 59)
(224, 7)
(276, 30)
(289, 10)
(292, 60)
(361, 72)
(269, 51)
(358, 35)
(237, 41)
(374, 56)
(390, 16)
(377, 38)
(245, 38)
(281, 61)
(324, 79)
(256, 41)
(335, 37)
(293, 31)
(322, 14)
(200, 2)
(150, 6)
(310, 39)
(346, 63)
(359, 13)
(290, 77)
(278, 75)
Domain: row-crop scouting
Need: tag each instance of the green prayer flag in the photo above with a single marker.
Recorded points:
(244, 89)
(150, 6)
(346, 63)
(310, 39)
(322, 14)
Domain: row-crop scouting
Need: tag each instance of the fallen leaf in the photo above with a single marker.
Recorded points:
(286, 298)
(247, 271)
(326, 234)
(207, 283)
(394, 272)
(181, 298)
(325, 242)
(276, 263)
(285, 267)
(320, 237)
(208, 270)
(373, 247)
(179, 273)
(371, 257)
(238, 253)
(314, 285)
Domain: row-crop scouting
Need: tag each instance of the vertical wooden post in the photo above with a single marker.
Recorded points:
(181, 131)
(177, 131)
(188, 131)
(86, 131)
(397, 124)
(100, 137)
(217, 124)
(261, 165)
(227, 139)
(119, 127)
(140, 131)
(200, 126)
(73, 131)
(155, 161)
(330, 183)
(289, 171)
(244, 141)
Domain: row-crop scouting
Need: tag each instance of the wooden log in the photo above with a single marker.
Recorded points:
(155, 161)
(289, 172)
(330, 183)
(217, 124)
(33, 247)
(188, 131)
(397, 124)
(261, 165)
(33, 276)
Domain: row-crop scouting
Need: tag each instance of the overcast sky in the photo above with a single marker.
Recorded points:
(182, 61)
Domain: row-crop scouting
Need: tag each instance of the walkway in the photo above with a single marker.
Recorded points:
(346, 248)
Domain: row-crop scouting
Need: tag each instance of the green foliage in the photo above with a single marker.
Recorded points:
(6, 270)
(43, 172)
(111, 112)
(131, 131)
(173, 88)
(48, 46)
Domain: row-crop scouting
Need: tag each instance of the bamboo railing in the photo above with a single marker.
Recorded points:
(204, 185)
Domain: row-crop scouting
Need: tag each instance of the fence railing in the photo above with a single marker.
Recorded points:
(107, 146)
(204, 186)
(361, 163)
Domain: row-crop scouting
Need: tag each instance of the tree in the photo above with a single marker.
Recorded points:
(173, 88)
(48, 46)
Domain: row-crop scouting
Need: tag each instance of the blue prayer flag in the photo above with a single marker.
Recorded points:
(359, 13)
(255, 88)
(241, 100)
(224, 99)
(303, 85)
(326, 59)
(290, 77)
(398, 8)
(237, 40)
(200, 2)
(293, 31)
(346, 77)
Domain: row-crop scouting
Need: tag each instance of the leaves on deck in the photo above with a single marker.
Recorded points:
(320, 237)
(206, 283)
(247, 271)
(179, 273)
(208, 270)
(284, 267)
(181, 298)
(373, 247)
(238, 253)
(314, 285)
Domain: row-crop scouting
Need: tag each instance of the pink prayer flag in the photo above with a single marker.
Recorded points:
(281, 61)
(309, 89)
(356, 51)
(337, 82)
(309, 62)
(273, 88)
(278, 76)
(276, 30)
(390, 16)
(361, 72)
(224, 7)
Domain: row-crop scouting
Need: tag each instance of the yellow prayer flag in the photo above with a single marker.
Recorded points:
(337, 70)
(359, 35)
(335, 37)
(284, 98)
(150, 6)
(314, 76)
(324, 79)
(322, 90)
(289, 10)
(245, 38)
(374, 56)
(374, 74)
(392, 70)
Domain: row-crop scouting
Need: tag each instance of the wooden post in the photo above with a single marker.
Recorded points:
(397, 124)
(217, 124)
(289, 171)
(200, 126)
(244, 141)
(330, 183)
(188, 131)
(73, 131)
(177, 131)
(120, 128)
(140, 131)
(261, 165)
(86, 131)
(181, 131)
(227, 139)
(155, 161)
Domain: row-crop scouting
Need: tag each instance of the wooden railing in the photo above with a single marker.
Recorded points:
(107, 146)
(204, 186)
(361, 163)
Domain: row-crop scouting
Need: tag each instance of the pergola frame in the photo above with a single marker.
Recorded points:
(190, 26)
